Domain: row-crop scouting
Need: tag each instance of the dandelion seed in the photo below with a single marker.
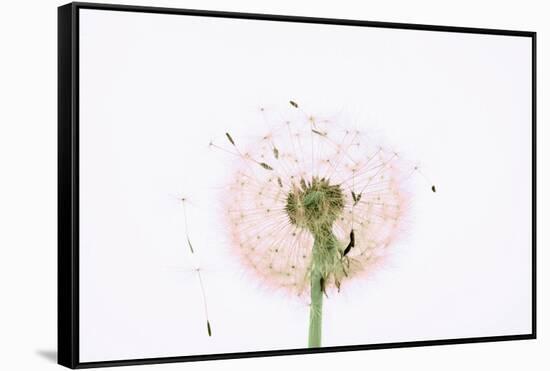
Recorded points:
(276, 153)
(356, 198)
(230, 138)
(190, 246)
(350, 244)
(197, 270)
(265, 166)
(293, 104)
(417, 170)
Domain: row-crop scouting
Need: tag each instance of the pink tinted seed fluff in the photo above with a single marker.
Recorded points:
(280, 252)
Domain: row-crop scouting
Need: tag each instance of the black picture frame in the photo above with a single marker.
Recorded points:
(68, 182)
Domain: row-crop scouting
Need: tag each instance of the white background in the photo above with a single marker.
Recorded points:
(29, 182)
(154, 89)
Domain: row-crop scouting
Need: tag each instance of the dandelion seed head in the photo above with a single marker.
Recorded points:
(301, 177)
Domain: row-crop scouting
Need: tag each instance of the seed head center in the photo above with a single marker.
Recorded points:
(314, 205)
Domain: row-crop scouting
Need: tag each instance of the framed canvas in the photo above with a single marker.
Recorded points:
(241, 185)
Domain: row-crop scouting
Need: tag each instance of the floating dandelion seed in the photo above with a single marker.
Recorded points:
(323, 211)
(197, 269)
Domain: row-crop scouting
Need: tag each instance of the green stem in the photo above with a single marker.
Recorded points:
(316, 310)
(324, 255)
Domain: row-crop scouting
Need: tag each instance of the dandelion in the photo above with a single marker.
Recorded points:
(313, 205)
